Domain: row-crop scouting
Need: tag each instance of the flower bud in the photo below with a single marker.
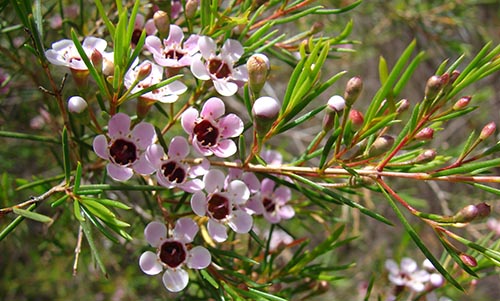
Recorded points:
(265, 110)
(77, 104)
(191, 7)
(445, 78)
(335, 104)
(356, 118)
(425, 134)
(433, 86)
(402, 105)
(468, 259)
(381, 145)
(81, 77)
(96, 58)
(484, 210)
(487, 131)
(427, 156)
(144, 71)
(352, 90)
(258, 68)
(462, 103)
(162, 23)
(471, 212)
(454, 75)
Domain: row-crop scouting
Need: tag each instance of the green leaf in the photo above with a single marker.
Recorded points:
(16, 135)
(10, 227)
(209, 278)
(77, 211)
(87, 231)
(32, 215)
(383, 70)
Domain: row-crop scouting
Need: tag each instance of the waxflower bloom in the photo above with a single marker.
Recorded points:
(172, 253)
(209, 131)
(220, 67)
(407, 274)
(222, 205)
(125, 148)
(172, 172)
(271, 202)
(173, 52)
(140, 24)
(64, 52)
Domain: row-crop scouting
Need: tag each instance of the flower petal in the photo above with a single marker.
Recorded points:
(100, 146)
(213, 108)
(225, 148)
(175, 280)
(155, 232)
(207, 46)
(193, 186)
(241, 222)
(143, 134)
(175, 36)
(188, 120)
(224, 87)
(217, 231)
(185, 229)
(238, 192)
(392, 266)
(119, 173)
(232, 49)
(143, 166)
(252, 181)
(154, 45)
(214, 181)
(408, 265)
(148, 262)
(154, 154)
(179, 148)
(267, 186)
(200, 169)
(231, 126)
(282, 194)
(199, 69)
(119, 125)
(199, 203)
(286, 212)
(199, 258)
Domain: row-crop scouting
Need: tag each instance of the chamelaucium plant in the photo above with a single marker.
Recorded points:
(150, 138)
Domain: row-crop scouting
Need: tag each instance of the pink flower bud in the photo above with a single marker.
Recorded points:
(352, 90)
(462, 103)
(433, 86)
(356, 118)
(468, 260)
(77, 104)
(144, 71)
(487, 131)
(265, 110)
(454, 75)
(96, 58)
(191, 7)
(425, 134)
(162, 23)
(402, 105)
(427, 156)
(381, 145)
(484, 210)
(336, 103)
(258, 68)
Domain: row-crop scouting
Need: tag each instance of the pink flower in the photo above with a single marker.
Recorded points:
(64, 52)
(172, 253)
(166, 94)
(125, 148)
(140, 24)
(209, 131)
(220, 67)
(271, 202)
(407, 274)
(221, 205)
(172, 172)
(173, 52)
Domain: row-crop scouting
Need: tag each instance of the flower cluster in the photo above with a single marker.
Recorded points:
(407, 274)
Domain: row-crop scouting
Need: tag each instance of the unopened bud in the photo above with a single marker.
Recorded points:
(356, 118)
(96, 58)
(445, 78)
(433, 86)
(144, 71)
(381, 145)
(76, 104)
(258, 68)
(335, 104)
(162, 23)
(487, 131)
(352, 90)
(484, 210)
(265, 110)
(472, 212)
(427, 156)
(462, 103)
(191, 7)
(425, 134)
(402, 105)
(468, 259)
(454, 75)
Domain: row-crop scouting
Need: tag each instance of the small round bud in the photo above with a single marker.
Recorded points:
(468, 259)
(352, 90)
(258, 68)
(162, 23)
(462, 103)
(402, 105)
(191, 7)
(427, 156)
(265, 110)
(445, 78)
(484, 210)
(487, 131)
(97, 59)
(381, 145)
(433, 86)
(336, 103)
(356, 118)
(466, 214)
(144, 71)
(425, 134)
(77, 104)
(454, 75)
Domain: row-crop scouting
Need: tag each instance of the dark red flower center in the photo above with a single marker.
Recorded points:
(174, 54)
(136, 35)
(174, 172)
(123, 152)
(219, 68)
(218, 206)
(269, 204)
(206, 133)
(172, 253)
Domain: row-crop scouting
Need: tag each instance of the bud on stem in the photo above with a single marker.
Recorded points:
(265, 110)
(352, 90)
